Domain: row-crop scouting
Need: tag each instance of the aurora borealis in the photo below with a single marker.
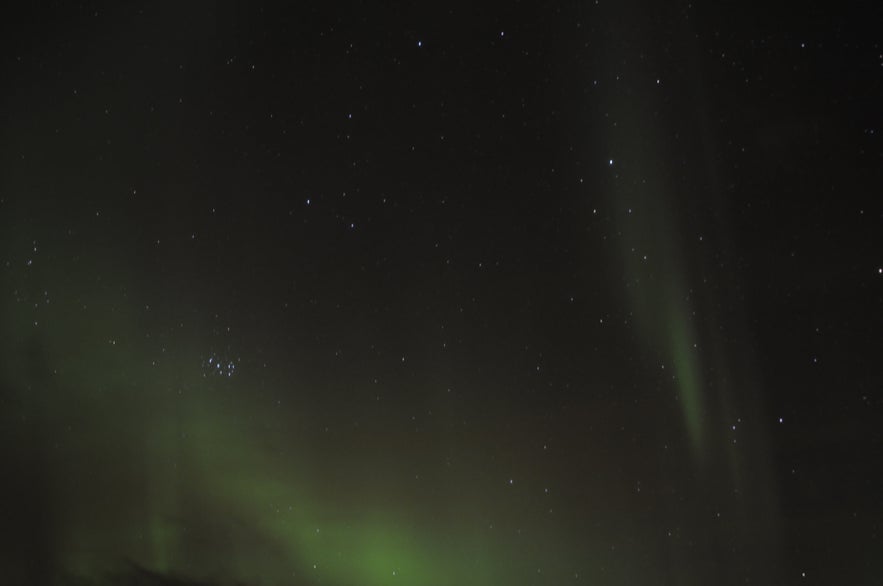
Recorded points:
(579, 293)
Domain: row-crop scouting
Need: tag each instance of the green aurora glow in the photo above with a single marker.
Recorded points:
(485, 296)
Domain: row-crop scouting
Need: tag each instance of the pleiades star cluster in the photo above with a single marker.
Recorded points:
(363, 294)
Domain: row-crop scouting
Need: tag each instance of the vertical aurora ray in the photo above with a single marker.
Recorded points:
(654, 274)
(643, 199)
(682, 344)
(663, 212)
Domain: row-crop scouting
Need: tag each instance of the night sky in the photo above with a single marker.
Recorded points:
(437, 295)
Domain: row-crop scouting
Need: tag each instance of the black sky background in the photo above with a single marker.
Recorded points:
(451, 252)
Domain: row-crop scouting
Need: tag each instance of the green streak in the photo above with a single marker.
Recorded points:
(683, 355)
